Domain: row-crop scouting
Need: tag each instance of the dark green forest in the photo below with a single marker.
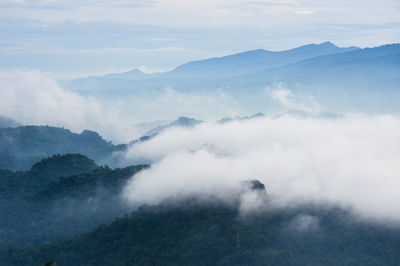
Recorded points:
(16, 185)
(191, 233)
(59, 197)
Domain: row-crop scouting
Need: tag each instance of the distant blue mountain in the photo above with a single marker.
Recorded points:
(341, 79)
(252, 61)
(240, 118)
(212, 68)
(360, 80)
(380, 63)
(132, 74)
(180, 122)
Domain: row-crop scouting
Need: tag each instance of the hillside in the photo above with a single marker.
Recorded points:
(16, 185)
(21, 147)
(196, 234)
(59, 197)
(180, 122)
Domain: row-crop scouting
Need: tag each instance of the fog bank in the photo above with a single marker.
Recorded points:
(351, 162)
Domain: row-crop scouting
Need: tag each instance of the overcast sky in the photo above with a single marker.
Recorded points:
(82, 37)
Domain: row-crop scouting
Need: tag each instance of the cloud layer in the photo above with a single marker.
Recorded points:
(351, 162)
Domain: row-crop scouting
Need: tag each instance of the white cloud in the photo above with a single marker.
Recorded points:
(205, 12)
(63, 4)
(351, 162)
(32, 97)
(304, 223)
(295, 102)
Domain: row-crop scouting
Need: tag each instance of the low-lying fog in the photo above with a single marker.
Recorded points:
(352, 161)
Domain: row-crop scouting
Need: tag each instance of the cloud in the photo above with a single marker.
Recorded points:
(292, 102)
(33, 97)
(304, 223)
(351, 162)
(205, 12)
(62, 4)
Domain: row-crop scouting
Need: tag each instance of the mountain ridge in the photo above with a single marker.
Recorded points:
(322, 48)
(24, 145)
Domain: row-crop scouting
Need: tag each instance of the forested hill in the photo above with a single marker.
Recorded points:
(15, 185)
(58, 198)
(218, 235)
(23, 146)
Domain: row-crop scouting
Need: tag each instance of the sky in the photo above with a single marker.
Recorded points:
(78, 38)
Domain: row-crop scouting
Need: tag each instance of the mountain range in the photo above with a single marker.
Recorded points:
(340, 79)
(22, 146)
(60, 203)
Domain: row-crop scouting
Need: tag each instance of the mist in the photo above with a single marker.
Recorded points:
(32, 97)
(350, 162)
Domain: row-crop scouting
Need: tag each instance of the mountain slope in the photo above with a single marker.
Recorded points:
(340, 79)
(362, 80)
(59, 197)
(212, 68)
(180, 122)
(20, 147)
(251, 61)
(216, 235)
(14, 185)
(381, 62)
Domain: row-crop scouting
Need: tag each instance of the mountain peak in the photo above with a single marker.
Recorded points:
(324, 46)
(67, 164)
(327, 44)
(185, 121)
(135, 71)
